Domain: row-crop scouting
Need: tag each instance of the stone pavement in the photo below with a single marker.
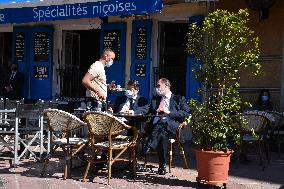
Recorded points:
(26, 176)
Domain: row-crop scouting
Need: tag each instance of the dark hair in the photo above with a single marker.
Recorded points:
(133, 83)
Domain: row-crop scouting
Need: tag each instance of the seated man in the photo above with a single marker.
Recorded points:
(171, 110)
(131, 102)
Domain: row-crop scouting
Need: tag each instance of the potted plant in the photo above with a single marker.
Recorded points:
(222, 45)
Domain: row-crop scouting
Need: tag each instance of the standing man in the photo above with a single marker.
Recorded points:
(171, 110)
(14, 84)
(95, 79)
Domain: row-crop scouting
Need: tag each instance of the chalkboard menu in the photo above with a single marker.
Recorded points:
(140, 70)
(40, 71)
(112, 41)
(141, 43)
(19, 46)
(41, 46)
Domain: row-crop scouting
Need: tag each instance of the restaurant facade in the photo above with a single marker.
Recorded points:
(54, 43)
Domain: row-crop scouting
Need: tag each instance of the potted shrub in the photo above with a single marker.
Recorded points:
(222, 45)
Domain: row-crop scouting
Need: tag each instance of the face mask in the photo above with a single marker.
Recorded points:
(264, 98)
(109, 63)
(159, 91)
(129, 94)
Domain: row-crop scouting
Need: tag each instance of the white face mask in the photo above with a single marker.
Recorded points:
(159, 92)
(109, 63)
(129, 94)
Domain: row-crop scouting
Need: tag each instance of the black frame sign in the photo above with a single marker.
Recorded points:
(41, 46)
(40, 71)
(140, 70)
(111, 40)
(141, 43)
(20, 46)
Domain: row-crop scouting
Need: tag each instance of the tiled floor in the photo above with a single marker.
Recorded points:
(26, 176)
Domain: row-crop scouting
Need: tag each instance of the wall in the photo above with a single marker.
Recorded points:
(270, 33)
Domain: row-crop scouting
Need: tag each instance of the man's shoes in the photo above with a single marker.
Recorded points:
(162, 170)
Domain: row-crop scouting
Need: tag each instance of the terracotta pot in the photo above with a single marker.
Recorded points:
(212, 166)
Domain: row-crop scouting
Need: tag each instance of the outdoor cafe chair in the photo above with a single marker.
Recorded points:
(277, 129)
(63, 123)
(254, 134)
(104, 135)
(178, 141)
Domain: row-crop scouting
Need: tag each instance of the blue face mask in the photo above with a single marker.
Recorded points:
(109, 63)
(264, 98)
(129, 94)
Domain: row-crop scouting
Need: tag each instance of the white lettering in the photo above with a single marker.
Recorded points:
(2, 17)
(133, 6)
(105, 11)
(127, 6)
(35, 12)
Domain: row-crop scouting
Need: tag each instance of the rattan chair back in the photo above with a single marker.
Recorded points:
(102, 124)
(255, 122)
(61, 121)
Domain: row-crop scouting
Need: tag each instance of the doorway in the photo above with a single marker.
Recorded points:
(6, 41)
(173, 56)
(81, 48)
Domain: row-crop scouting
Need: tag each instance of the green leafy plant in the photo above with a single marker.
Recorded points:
(223, 45)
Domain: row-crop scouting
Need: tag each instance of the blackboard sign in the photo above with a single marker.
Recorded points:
(40, 71)
(19, 46)
(41, 46)
(141, 43)
(112, 41)
(140, 70)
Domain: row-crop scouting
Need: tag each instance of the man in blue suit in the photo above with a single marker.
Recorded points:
(171, 110)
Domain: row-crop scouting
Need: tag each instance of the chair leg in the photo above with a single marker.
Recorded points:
(134, 161)
(109, 164)
(260, 154)
(43, 173)
(87, 170)
(182, 154)
(170, 155)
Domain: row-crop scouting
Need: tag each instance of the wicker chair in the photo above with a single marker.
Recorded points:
(180, 147)
(255, 124)
(277, 129)
(171, 142)
(63, 122)
(103, 125)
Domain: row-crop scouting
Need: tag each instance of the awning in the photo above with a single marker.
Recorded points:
(49, 10)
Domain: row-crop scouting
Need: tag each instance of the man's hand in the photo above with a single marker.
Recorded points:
(101, 95)
(162, 110)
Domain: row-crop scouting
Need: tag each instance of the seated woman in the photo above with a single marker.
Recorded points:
(264, 101)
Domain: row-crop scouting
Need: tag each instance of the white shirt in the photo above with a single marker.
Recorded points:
(166, 100)
(127, 103)
(98, 71)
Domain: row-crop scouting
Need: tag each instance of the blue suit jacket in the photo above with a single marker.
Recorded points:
(139, 105)
(178, 107)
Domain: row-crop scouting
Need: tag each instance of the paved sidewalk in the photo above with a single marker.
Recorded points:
(26, 176)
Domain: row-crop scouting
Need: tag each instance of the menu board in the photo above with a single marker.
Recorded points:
(41, 46)
(112, 41)
(141, 43)
(140, 70)
(19, 46)
(40, 71)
